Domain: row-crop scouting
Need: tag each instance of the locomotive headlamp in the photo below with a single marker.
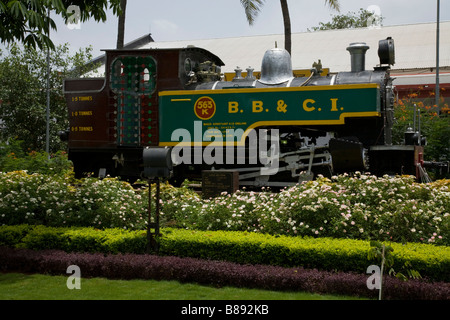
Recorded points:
(386, 51)
(157, 162)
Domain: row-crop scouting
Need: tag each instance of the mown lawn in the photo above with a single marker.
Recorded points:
(17, 286)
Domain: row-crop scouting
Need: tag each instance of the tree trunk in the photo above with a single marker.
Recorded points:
(287, 26)
(121, 25)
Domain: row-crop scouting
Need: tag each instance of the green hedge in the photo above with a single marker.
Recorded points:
(241, 247)
(322, 253)
(73, 239)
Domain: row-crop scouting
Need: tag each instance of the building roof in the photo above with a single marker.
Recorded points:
(415, 47)
(135, 44)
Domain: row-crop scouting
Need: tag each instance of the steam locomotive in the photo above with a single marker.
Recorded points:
(273, 128)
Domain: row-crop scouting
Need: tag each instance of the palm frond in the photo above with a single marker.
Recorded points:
(334, 4)
(252, 8)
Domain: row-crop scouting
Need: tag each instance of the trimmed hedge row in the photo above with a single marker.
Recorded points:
(432, 262)
(215, 273)
(73, 239)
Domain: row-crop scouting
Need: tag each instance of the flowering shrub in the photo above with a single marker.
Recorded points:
(13, 157)
(56, 201)
(356, 207)
(107, 203)
(26, 198)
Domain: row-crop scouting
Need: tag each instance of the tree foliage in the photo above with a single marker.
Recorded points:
(435, 126)
(361, 19)
(28, 22)
(23, 93)
(252, 9)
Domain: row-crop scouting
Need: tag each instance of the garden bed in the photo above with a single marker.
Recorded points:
(354, 207)
(325, 225)
(215, 273)
(431, 261)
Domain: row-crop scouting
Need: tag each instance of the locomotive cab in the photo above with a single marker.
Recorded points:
(113, 118)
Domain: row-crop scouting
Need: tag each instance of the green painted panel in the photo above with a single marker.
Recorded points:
(247, 109)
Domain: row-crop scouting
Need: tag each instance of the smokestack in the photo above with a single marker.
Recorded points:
(358, 55)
